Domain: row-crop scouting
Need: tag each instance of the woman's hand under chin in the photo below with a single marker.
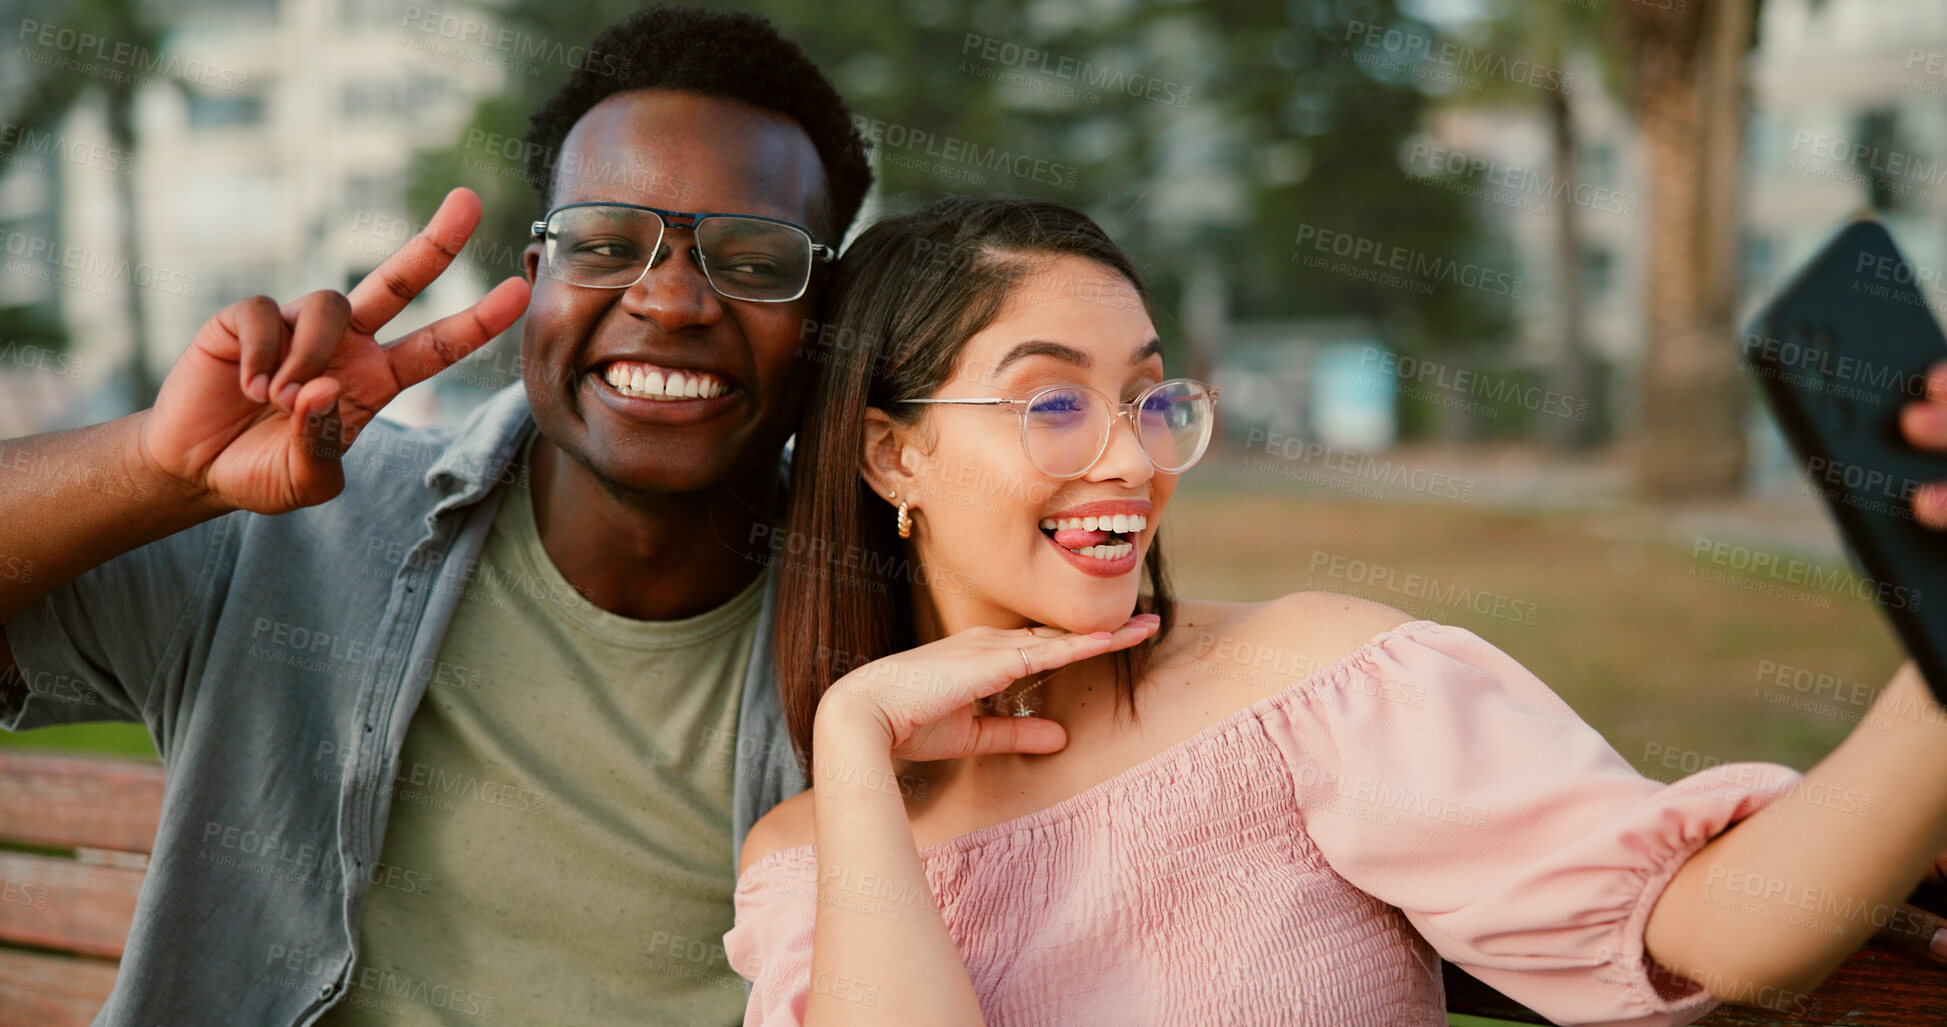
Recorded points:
(922, 700)
(916, 706)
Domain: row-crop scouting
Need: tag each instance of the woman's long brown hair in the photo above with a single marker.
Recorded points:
(905, 298)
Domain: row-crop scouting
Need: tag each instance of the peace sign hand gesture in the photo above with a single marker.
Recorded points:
(257, 411)
(923, 698)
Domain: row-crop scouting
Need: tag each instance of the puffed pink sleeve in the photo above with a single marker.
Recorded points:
(770, 942)
(1442, 777)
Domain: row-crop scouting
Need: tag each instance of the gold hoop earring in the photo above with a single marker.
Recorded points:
(905, 522)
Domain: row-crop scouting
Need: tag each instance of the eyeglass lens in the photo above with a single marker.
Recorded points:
(1066, 430)
(743, 258)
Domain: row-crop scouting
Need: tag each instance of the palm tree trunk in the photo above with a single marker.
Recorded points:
(1688, 97)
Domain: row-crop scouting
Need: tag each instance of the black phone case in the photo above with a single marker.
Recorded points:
(1838, 353)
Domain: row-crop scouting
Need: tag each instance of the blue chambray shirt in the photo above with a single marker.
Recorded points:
(277, 662)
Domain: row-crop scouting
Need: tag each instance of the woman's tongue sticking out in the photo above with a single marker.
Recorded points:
(1077, 538)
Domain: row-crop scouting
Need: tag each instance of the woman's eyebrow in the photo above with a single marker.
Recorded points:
(1044, 348)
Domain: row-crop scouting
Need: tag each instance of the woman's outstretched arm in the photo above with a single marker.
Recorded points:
(1783, 897)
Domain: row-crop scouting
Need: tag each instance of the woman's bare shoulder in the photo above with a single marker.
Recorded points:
(1258, 649)
(788, 825)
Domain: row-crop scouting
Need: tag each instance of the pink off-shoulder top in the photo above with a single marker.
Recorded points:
(1302, 861)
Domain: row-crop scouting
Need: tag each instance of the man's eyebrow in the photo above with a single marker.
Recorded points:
(1151, 348)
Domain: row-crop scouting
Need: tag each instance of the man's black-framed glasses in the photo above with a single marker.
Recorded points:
(743, 256)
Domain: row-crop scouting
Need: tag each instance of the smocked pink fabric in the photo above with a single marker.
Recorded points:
(1291, 863)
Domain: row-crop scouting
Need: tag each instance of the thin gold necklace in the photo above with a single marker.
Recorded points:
(1015, 704)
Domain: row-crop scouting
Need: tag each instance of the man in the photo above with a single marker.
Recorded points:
(477, 740)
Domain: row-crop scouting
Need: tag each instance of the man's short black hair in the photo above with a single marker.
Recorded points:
(734, 55)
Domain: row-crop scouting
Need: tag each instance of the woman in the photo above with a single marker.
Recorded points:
(1208, 812)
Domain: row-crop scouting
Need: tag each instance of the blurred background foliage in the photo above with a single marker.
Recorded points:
(1279, 126)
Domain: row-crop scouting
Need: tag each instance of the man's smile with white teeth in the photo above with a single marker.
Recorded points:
(1104, 538)
(638, 380)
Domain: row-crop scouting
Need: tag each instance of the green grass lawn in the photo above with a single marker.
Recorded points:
(1628, 631)
(108, 738)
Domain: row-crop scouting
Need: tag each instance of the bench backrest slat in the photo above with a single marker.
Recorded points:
(68, 802)
(53, 991)
(58, 903)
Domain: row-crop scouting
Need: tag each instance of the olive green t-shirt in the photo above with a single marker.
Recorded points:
(558, 848)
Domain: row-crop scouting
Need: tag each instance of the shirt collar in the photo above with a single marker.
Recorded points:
(486, 443)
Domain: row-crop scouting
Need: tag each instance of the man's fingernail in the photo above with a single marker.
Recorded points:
(1939, 944)
(287, 396)
(260, 387)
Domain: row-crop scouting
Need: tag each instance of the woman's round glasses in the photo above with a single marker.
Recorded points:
(743, 256)
(1065, 428)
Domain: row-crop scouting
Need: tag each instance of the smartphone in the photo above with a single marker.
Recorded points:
(1838, 353)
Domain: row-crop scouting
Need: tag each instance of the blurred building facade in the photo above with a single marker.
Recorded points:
(1849, 114)
(272, 156)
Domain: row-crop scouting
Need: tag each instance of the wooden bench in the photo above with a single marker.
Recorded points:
(74, 838)
(75, 833)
